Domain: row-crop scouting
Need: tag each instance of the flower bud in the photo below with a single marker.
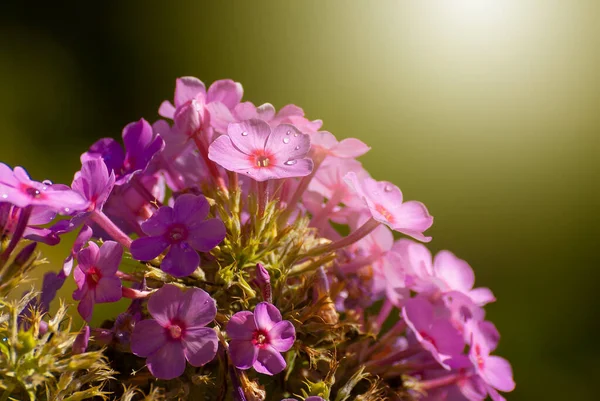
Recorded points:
(188, 117)
(263, 280)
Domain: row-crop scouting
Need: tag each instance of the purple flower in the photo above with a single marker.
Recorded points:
(177, 332)
(94, 183)
(95, 276)
(140, 147)
(184, 231)
(257, 339)
(384, 201)
(252, 149)
(436, 334)
(17, 188)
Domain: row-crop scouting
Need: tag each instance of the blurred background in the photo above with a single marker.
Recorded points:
(485, 110)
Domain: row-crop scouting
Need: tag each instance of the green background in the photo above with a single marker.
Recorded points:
(485, 110)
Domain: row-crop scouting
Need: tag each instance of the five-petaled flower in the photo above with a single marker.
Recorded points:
(252, 149)
(259, 338)
(95, 276)
(184, 230)
(176, 333)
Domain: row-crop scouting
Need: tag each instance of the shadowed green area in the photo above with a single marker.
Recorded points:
(493, 124)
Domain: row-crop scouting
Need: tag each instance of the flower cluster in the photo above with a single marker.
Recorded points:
(250, 245)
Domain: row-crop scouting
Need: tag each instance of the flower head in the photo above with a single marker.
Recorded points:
(95, 276)
(183, 230)
(17, 188)
(252, 149)
(141, 145)
(259, 338)
(176, 333)
(384, 200)
(94, 182)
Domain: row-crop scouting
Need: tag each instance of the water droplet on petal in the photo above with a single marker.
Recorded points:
(47, 182)
(289, 132)
(67, 210)
(297, 147)
(388, 188)
(295, 134)
(244, 133)
(286, 140)
(290, 162)
(4, 196)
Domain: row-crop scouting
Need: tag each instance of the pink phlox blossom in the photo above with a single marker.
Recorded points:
(95, 276)
(195, 108)
(258, 338)
(384, 201)
(254, 149)
(183, 230)
(176, 332)
(18, 189)
(348, 148)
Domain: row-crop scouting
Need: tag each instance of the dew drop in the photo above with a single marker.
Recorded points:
(297, 147)
(67, 210)
(289, 132)
(4, 196)
(388, 188)
(295, 134)
(47, 182)
(290, 162)
(244, 133)
(286, 140)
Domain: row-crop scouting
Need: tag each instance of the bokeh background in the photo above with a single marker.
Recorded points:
(485, 110)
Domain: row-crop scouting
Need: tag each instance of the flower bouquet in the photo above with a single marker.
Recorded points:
(258, 260)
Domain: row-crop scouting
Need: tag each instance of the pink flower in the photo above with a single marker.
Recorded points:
(384, 201)
(289, 114)
(95, 276)
(257, 339)
(435, 334)
(177, 332)
(17, 188)
(348, 148)
(252, 149)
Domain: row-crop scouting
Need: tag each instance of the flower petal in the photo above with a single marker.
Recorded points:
(147, 337)
(282, 336)
(88, 257)
(197, 308)
(86, 306)
(200, 345)
(181, 260)
(454, 271)
(110, 257)
(243, 353)
(206, 235)
(108, 289)
(225, 154)
(225, 91)
(147, 248)
(168, 362)
(266, 315)
(249, 136)
(190, 208)
(188, 88)
(164, 304)
(241, 326)
(269, 361)
(159, 222)
(288, 143)
(498, 373)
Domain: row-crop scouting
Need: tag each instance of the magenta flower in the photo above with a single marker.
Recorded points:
(495, 371)
(176, 333)
(435, 334)
(259, 338)
(252, 149)
(141, 145)
(384, 201)
(17, 188)
(183, 230)
(95, 276)
(94, 183)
